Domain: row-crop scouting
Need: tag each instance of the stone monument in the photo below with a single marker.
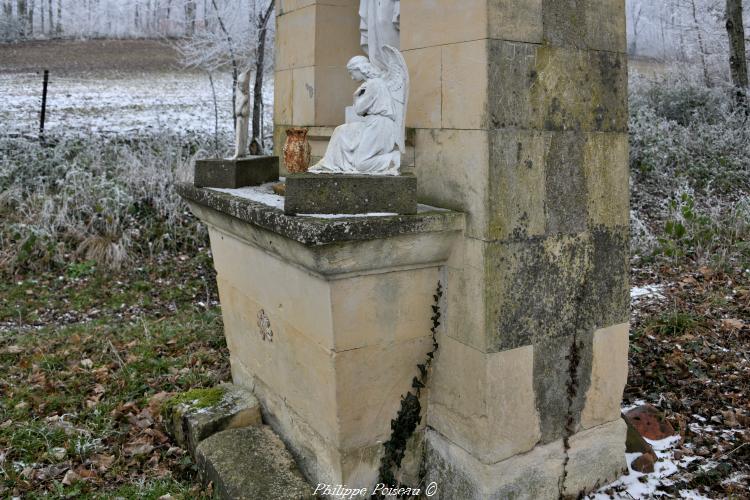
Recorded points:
(517, 120)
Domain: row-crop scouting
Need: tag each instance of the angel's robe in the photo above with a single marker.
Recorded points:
(367, 146)
(379, 25)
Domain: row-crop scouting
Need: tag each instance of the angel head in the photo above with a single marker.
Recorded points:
(361, 68)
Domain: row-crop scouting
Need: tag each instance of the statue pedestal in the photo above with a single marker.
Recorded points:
(232, 174)
(350, 194)
(327, 320)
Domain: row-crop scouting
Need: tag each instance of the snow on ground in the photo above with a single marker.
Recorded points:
(264, 194)
(116, 103)
(637, 485)
(646, 292)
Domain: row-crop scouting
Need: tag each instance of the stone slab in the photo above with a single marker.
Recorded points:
(596, 457)
(350, 194)
(251, 463)
(314, 232)
(191, 423)
(231, 174)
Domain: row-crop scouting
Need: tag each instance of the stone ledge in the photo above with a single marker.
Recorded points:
(311, 231)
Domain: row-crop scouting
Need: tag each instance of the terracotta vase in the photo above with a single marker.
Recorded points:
(297, 150)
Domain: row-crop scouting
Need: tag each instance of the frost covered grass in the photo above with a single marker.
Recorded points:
(101, 199)
(690, 173)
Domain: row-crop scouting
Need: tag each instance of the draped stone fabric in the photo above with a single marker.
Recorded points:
(379, 25)
(368, 145)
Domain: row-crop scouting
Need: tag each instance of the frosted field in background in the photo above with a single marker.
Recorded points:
(117, 103)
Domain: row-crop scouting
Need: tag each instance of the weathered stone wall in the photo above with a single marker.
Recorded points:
(520, 111)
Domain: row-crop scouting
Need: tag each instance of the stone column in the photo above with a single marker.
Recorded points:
(314, 41)
(520, 111)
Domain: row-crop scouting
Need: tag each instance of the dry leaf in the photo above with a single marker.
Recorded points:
(732, 324)
(87, 363)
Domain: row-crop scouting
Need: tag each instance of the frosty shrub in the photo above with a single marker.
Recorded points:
(103, 199)
(681, 132)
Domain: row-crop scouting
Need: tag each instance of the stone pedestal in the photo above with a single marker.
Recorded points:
(327, 321)
(235, 173)
(350, 194)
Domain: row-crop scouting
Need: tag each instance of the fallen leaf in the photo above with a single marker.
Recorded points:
(87, 363)
(14, 349)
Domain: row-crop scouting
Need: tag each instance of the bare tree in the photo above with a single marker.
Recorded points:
(190, 16)
(701, 45)
(22, 19)
(737, 51)
(636, 13)
(256, 141)
(59, 29)
(50, 17)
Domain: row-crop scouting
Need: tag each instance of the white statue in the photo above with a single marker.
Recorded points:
(373, 142)
(380, 24)
(242, 114)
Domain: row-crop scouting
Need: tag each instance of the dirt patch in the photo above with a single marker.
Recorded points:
(85, 56)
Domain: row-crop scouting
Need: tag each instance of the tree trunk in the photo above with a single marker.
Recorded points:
(59, 28)
(190, 17)
(737, 50)
(256, 141)
(30, 22)
(701, 46)
(21, 14)
(50, 17)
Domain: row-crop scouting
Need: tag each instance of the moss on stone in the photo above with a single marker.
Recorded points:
(196, 399)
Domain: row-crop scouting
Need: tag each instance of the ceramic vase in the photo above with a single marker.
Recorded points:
(297, 151)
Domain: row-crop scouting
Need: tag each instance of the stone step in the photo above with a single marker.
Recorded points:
(198, 414)
(251, 463)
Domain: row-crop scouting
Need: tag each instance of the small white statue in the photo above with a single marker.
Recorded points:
(380, 25)
(242, 114)
(372, 142)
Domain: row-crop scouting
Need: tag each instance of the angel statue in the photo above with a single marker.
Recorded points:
(372, 142)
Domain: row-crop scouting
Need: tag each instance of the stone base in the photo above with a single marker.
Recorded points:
(251, 463)
(596, 457)
(232, 174)
(350, 194)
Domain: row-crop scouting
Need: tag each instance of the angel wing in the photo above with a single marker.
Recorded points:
(397, 78)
